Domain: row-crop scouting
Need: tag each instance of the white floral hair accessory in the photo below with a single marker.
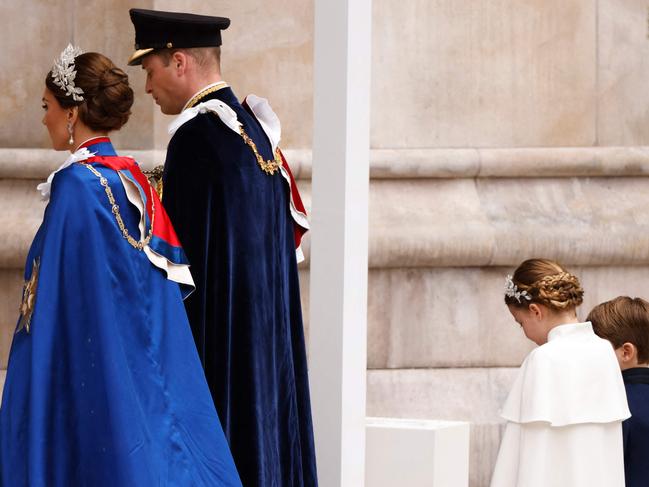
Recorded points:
(63, 72)
(511, 290)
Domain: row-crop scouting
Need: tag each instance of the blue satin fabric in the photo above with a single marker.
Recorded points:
(107, 388)
(234, 223)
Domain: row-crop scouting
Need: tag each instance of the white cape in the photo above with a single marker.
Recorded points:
(565, 414)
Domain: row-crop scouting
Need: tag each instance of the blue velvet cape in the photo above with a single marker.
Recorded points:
(106, 388)
(234, 223)
(636, 428)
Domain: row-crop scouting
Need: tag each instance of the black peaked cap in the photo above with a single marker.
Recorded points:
(155, 29)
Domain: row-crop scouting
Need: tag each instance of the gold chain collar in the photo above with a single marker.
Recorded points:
(219, 86)
(139, 245)
(270, 166)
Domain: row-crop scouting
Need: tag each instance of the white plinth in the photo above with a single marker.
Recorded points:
(416, 453)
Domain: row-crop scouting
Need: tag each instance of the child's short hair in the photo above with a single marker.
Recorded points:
(622, 320)
(545, 282)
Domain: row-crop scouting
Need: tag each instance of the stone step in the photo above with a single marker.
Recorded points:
(421, 163)
(453, 222)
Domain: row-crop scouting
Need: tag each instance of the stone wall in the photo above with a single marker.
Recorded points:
(500, 131)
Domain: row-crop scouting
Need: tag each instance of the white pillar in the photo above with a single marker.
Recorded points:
(338, 299)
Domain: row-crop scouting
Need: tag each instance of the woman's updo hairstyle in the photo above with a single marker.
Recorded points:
(107, 96)
(544, 282)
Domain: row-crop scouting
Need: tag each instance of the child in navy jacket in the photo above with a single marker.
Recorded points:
(624, 321)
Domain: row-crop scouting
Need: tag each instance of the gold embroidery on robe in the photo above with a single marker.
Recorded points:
(29, 298)
(155, 179)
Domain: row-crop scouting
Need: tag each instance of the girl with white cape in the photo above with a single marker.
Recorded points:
(564, 413)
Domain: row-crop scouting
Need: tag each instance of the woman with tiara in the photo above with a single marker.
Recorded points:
(104, 386)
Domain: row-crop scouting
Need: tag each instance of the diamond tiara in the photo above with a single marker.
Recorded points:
(511, 290)
(63, 72)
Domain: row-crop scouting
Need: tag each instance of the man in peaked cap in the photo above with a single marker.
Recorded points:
(237, 212)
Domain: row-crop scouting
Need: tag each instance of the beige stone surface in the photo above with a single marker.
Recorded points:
(607, 282)
(468, 394)
(304, 296)
(21, 215)
(485, 443)
(428, 223)
(546, 162)
(446, 73)
(26, 27)
(623, 72)
(461, 73)
(574, 220)
(11, 282)
(464, 222)
(437, 317)
(455, 317)
(523, 162)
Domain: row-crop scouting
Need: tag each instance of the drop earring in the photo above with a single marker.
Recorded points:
(71, 141)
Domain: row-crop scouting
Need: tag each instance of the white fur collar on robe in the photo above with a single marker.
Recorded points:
(573, 379)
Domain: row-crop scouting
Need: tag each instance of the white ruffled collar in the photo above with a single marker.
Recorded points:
(267, 118)
(80, 155)
(259, 106)
(224, 112)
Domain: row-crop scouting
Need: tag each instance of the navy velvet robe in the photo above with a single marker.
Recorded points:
(234, 223)
(106, 388)
(636, 428)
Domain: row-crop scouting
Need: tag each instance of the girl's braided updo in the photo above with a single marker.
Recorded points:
(546, 282)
